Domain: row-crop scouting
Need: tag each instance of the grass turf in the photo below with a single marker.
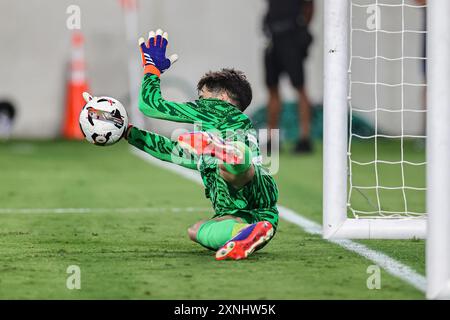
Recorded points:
(146, 254)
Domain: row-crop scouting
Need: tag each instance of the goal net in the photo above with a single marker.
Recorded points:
(386, 157)
(374, 130)
(375, 182)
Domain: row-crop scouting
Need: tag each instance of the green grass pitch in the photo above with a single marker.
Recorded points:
(145, 253)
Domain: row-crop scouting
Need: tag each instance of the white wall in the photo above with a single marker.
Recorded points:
(207, 34)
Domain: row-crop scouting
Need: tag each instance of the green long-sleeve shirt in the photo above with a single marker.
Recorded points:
(254, 202)
(206, 114)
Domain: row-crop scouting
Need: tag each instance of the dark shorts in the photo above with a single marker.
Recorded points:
(286, 53)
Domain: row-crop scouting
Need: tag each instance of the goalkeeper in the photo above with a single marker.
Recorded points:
(223, 148)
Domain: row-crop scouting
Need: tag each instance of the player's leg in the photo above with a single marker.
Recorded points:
(214, 233)
(272, 74)
(256, 227)
(273, 108)
(264, 191)
(293, 58)
(236, 157)
(230, 236)
(248, 240)
(304, 110)
(273, 70)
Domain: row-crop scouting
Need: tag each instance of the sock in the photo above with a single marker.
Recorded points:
(214, 234)
(245, 165)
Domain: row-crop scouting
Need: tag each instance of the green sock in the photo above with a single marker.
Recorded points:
(214, 234)
(242, 167)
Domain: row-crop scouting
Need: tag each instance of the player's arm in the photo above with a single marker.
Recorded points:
(161, 147)
(151, 102)
(236, 158)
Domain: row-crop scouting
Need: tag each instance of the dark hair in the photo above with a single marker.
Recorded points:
(234, 82)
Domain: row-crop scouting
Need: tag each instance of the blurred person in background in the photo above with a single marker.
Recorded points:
(7, 114)
(286, 27)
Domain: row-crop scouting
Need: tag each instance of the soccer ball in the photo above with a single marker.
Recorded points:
(103, 120)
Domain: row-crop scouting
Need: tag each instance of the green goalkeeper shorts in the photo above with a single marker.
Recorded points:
(254, 202)
(254, 216)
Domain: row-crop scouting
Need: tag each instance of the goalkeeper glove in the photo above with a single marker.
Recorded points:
(153, 53)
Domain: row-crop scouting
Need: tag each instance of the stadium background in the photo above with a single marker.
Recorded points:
(132, 254)
(206, 34)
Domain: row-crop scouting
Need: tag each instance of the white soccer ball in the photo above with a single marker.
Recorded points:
(103, 120)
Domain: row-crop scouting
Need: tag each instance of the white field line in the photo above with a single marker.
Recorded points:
(390, 265)
(99, 210)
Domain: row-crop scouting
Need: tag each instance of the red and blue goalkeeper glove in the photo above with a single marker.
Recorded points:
(153, 53)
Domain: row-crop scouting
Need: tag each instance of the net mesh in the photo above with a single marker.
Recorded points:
(386, 165)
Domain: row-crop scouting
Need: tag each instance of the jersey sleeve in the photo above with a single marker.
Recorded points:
(162, 148)
(152, 104)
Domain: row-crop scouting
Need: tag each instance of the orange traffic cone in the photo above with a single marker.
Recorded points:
(76, 85)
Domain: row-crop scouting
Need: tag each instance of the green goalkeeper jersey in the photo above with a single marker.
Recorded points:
(255, 201)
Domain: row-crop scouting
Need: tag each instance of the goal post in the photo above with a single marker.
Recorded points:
(335, 116)
(336, 220)
(438, 151)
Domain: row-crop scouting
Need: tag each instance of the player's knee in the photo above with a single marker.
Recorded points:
(192, 231)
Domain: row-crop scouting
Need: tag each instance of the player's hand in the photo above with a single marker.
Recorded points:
(126, 132)
(153, 53)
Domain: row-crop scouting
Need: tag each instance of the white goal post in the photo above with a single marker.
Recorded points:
(336, 223)
(337, 76)
(438, 151)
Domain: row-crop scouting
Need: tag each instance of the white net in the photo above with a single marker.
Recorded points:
(386, 157)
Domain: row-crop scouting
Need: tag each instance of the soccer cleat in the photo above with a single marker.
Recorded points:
(205, 143)
(245, 243)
